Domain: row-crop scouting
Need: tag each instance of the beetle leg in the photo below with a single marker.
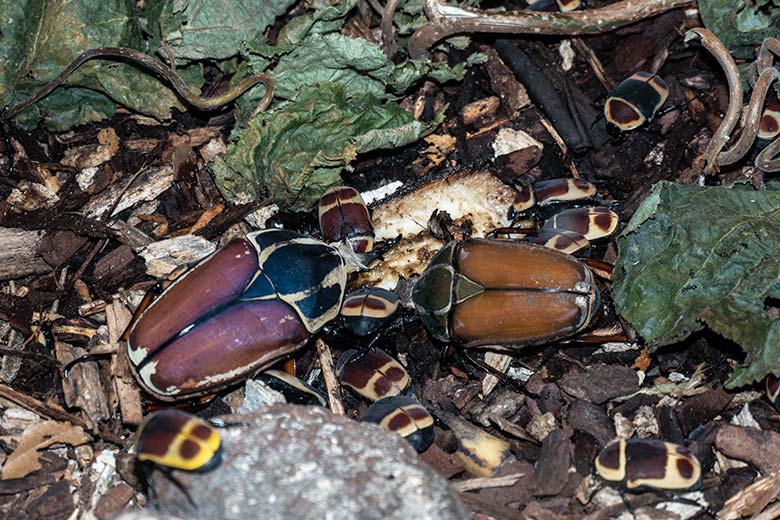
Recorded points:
(627, 503)
(176, 482)
(153, 292)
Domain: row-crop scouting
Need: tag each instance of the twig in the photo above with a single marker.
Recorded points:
(542, 93)
(388, 31)
(595, 64)
(446, 20)
(730, 120)
(329, 374)
(751, 117)
(487, 482)
(158, 67)
(49, 410)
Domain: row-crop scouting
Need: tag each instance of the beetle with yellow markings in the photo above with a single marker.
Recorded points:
(172, 439)
(637, 464)
(406, 417)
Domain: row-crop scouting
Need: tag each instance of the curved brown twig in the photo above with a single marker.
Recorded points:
(751, 118)
(446, 20)
(768, 160)
(158, 67)
(730, 120)
(388, 31)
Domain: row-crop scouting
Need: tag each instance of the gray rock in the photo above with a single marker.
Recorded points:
(297, 462)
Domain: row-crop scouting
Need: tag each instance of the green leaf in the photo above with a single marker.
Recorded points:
(298, 150)
(741, 25)
(39, 39)
(215, 29)
(693, 257)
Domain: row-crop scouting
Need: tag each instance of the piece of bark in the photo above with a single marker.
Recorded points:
(19, 255)
(60, 246)
(113, 501)
(757, 448)
(600, 383)
(127, 391)
(591, 419)
(147, 186)
(112, 268)
(751, 500)
(83, 388)
(56, 502)
(552, 468)
(702, 408)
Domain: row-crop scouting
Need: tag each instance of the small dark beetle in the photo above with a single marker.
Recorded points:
(634, 102)
(568, 231)
(173, 439)
(505, 293)
(365, 311)
(404, 416)
(236, 312)
(344, 218)
(373, 373)
(644, 463)
(292, 388)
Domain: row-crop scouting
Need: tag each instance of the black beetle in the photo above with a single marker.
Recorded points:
(365, 311)
(637, 464)
(173, 439)
(235, 313)
(634, 102)
(404, 416)
(292, 388)
(504, 293)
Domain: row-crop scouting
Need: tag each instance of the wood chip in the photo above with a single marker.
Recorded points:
(166, 255)
(751, 500)
(487, 482)
(498, 361)
(149, 185)
(127, 391)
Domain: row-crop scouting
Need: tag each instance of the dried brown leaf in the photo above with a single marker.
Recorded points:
(25, 458)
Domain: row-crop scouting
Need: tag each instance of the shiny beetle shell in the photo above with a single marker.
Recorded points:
(406, 417)
(365, 311)
(344, 217)
(646, 463)
(238, 311)
(635, 101)
(293, 389)
(504, 293)
(177, 440)
(374, 374)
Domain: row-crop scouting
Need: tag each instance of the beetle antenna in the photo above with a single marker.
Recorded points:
(85, 357)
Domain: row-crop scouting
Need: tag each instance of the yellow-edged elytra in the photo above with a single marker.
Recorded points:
(636, 464)
(344, 217)
(404, 416)
(365, 311)
(568, 231)
(504, 293)
(172, 439)
(372, 373)
(635, 102)
(292, 388)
